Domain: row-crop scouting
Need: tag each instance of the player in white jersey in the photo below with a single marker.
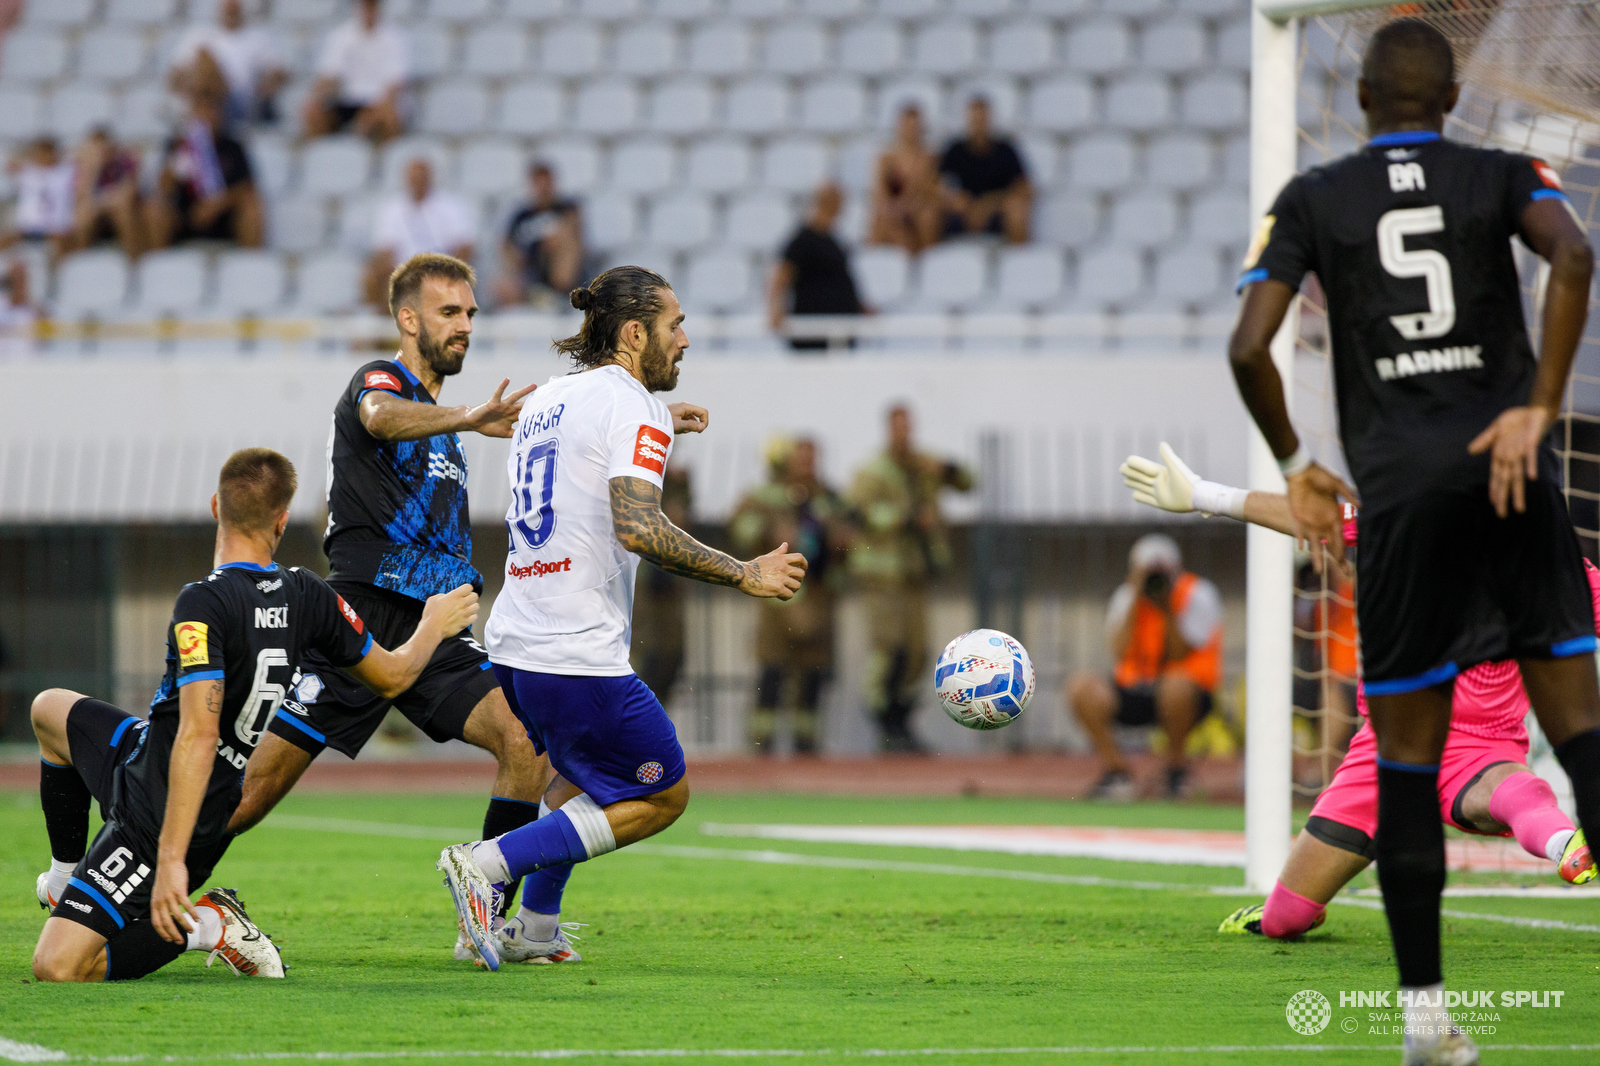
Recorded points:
(586, 468)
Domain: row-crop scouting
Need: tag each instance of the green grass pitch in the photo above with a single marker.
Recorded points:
(686, 951)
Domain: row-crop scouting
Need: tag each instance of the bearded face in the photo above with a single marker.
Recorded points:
(659, 361)
(444, 355)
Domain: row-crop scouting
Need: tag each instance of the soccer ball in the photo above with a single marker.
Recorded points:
(984, 679)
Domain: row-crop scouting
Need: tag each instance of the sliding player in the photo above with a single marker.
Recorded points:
(1444, 414)
(1485, 785)
(587, 464)
(170, 785)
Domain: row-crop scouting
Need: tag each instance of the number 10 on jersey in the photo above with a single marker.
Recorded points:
(536, 473)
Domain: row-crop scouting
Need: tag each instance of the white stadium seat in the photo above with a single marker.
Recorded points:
(1024, 47)
(610, 220)
(250, 282)
(1236, 161)
(33, 55)
(647, 49)
(398, 154)
(835, 9)
(681, 221)
(759, 9)
(720, 49)
(1141, 102)
(91, 284)
(608, 10)
(794, 164)
(1110, 277)
(663, 261)
(335, 166)
(1101, 161)
(794, 48)
(354, 223)
(305, 11)
(983, 9)
(1144, 219)
(141, 12)
(1189, 275)
(491, 168)
(1057, 8)
(1005, 101)
(21, 112)
(857, 166)
(328, 284)
(720, 280)
(759, 106)
(760, 222)
(945, 48)
(575, 161)
(1070, 218)
(1099, 47)
(460, 11)
(432, 54)
(1215, 102)
(145, 113)
(684, 10)
(57, 12)
(1220, 217)
(952, 277)
(1174, 45)
(76, 108)
(1063, 104)
(895, 96)
(606, 107)
(834, 105)
(456, 107)
(644, 166)
(1029, 277)
(683, 106)
(271, 162)
(871, 48)
(172, 283)
(112, 53)
(495, 50)
(535, 10)
(1208, 8)
(1041, 156)
(569, 50)
(1233, 45)
(720, 166)
(298, 224)
(1132, 8)
(907, 9)
(531, 108)
(1178, 160)
(882, 275)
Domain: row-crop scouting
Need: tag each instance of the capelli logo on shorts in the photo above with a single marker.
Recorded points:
(538, 568)
(649, 773)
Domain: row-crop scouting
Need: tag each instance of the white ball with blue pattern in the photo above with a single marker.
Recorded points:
(984, 679)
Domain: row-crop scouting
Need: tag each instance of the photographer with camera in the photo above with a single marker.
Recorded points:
(1165, 629)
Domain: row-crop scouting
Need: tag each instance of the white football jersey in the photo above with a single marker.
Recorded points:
(567, 603)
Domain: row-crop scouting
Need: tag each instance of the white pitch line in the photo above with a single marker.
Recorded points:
(16, 1051)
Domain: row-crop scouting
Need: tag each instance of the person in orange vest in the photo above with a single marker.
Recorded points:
(1165, 629)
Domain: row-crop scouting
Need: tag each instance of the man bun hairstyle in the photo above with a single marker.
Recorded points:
(255, 487)
(620, 295)
(405, 284)
(1409, 64)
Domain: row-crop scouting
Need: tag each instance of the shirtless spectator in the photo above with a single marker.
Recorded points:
(239, 63)
(106, 203)
(360, 75)
(905, 188)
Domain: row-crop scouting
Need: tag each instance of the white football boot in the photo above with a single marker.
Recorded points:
(476, 900)
(463, 951)
(1455, 1048)
(245, 948)
(516, 947)
(41, 889)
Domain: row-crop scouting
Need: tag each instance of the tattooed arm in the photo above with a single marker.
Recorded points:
(645, 531)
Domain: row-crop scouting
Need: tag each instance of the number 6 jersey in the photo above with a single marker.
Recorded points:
(246, 626)
(1411, 240)
(567, 603)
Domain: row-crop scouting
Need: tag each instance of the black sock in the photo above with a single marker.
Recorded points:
(502, 817)
(1580, 758)
(65, 799)
(138, 950)
(1410, 847)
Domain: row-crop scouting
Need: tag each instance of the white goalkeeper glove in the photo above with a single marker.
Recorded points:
(1171, 486)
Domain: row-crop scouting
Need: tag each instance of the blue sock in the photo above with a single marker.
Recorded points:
(541, 892)
(548, 842)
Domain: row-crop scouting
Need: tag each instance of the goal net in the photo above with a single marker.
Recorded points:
(1530, 72)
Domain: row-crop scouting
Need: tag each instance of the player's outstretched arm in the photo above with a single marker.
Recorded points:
(1171, 486)
(389, 673)
(390, 418)
(644, 530)
(194, 751)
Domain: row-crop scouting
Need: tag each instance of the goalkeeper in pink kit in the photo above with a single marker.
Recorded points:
(1485, 785)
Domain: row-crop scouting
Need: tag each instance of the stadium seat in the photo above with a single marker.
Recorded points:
(144, 114)
(305, 11)
(663, 261)
(835, 9)
(1132, 8)
(57, 12)
(758, 106)
(647, 49)
(907, 9)
(1174, 45)
(76, 108)
(1178, 160)
(92, 284)
(531, 108)
(453, 108)
(22, 112)
(871, 48)
(606, 107)
(1063, 104)
(112, 53)
(271, 163)
(1236, 161)
(952, 277)
(571, 50)
(172, 283)
(857, 165)
(298, 224)
(1233, 45)
(250, 282)
(1005, 101)
(492, 168)
(1100, 46)
(983, 9)
(1140, 102)
(720, 166)
(398, 154)
(1189, 275)
(1070, 218)
(608, 10)
(33, 55)
(1221, 217)
(945, 48)
(327, 284)
(681, 221)
(833, 105)
(684, 10)
(1215, 102)
(610, 220)
(535, 10)
(882, 275)
(354, 223)
(720, 49)
(335, 166)
(432, 55)
(794, 48)
(1024, 47)
(1109, 277)
(855, 220)
(760, 222)
(1041, 157)
(141, 12)
(894, 96)
(1029, 278)
(683, 106)
(495, 50)
(1144, 219)
(576, 162)
(794, 164)
(1101, 161)
(463, 12)
(644, 166)
(759, 9)
(1057, 8)
(720, 280)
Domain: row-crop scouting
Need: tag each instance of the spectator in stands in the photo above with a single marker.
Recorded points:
(905, 188)
(239, 63)
(986, 186)
(43, 214)
(106, 202)
(205, 190)
(813, 275)
(421, 219)
(362, 70)
(1165, 629)
(543, 245)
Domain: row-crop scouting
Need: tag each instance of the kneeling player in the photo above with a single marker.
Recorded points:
(169, 785)
(1485, 785)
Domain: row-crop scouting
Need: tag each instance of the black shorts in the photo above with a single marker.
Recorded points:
(101, 738)
(1137, 706)
(1445, 585)
(344, 114)
(331, 709)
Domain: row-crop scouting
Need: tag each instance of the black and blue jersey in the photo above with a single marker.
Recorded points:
(397, 510)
